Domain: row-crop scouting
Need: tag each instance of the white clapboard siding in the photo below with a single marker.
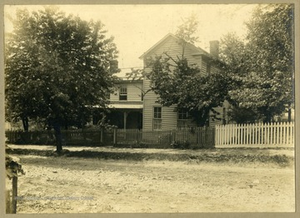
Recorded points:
(171, 47)
(277, 134)
(134, 91)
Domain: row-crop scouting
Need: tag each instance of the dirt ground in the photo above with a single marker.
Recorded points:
(90, 185)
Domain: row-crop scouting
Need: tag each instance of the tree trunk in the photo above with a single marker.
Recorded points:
(268, 118)
(58, 137)
(202, 117)
(25, 123)
(289, 113)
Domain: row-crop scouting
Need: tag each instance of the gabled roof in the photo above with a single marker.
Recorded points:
(197, 50)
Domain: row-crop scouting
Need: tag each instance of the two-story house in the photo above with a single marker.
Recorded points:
(157, 117)
(126, 105)
(131, 110)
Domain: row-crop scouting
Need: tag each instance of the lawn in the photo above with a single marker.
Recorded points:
(69, 184)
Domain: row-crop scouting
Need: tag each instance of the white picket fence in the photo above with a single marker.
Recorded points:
(269, 134)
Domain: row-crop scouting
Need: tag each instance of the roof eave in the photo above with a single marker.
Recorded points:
(156, 44)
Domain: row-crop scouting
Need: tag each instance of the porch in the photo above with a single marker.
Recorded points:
(127, 115)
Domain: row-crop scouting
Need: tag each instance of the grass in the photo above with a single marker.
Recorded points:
(243, 155)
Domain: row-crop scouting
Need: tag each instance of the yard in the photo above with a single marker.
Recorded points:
(61, 184)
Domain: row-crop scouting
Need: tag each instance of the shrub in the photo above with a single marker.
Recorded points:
(181, 145)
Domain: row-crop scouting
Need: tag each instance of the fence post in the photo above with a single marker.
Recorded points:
(213, 137)
(197, 135)
(204, 137)
(170, 137)
(217, 127)
(174, 135)
(115, 136)
(14, 194)
(293, 133)
(138, 136)
(101, 135)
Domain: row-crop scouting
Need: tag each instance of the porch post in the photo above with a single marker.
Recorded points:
(125, 120)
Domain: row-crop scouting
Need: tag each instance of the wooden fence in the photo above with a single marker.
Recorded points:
(270, 134)
(198, 137)
(273, 134)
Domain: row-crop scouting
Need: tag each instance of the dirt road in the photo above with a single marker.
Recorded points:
(79, 185)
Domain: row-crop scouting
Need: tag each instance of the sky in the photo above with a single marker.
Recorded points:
(136, 28)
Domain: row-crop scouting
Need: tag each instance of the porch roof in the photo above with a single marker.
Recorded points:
(126, 106)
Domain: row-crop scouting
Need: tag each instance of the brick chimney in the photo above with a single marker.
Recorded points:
(214, 48)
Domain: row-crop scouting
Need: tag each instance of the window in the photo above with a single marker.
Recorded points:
(183, 115)
(183, 119)
(123, 94)
(157, 112)
(156, 118)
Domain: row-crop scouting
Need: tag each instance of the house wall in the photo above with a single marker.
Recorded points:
(203, 67)
(149, 102)
(169, 116)
(173, 49)
(134, 91)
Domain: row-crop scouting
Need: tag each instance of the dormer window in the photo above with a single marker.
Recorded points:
(123, 94)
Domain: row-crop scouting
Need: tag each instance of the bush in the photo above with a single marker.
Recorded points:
(181, 145)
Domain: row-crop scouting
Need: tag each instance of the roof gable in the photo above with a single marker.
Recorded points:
(170, 36)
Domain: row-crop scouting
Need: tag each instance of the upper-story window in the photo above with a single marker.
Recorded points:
(123, 93)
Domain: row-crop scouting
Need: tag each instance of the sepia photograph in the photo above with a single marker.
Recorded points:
(149, 108)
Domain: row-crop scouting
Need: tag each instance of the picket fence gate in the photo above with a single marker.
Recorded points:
(273, 134)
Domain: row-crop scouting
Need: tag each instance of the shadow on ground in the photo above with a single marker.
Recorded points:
(209, 156)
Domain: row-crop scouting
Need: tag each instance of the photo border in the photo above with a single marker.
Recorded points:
(158, 215)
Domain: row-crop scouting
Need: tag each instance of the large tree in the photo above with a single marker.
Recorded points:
(262, 68)
(233, 52)
(178, 83)
(57, 67)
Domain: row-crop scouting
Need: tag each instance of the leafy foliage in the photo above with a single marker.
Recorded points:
(178, 83)
(57, 67)
(186, 31)
(261, 70)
